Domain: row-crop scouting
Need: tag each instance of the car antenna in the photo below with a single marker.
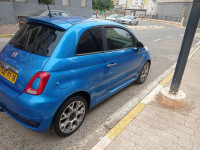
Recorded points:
(49, 10)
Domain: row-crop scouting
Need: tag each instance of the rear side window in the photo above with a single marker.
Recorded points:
(90, 41)
(37, 39)
(118, 38)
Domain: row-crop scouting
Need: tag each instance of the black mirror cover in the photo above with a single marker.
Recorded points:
(139, 44)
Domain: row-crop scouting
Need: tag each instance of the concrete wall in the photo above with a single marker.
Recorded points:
(186, 15)
(9, 11)
(169, 11)
(174, 11)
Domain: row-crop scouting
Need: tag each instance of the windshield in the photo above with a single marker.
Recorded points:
(113, 16)
(128, 17)
(37, 39)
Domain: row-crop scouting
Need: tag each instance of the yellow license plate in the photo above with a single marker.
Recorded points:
(9, 75)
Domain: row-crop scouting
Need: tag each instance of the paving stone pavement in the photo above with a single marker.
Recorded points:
(160, 128)
(8, 28)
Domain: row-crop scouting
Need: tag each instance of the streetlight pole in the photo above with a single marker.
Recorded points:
(186, 45)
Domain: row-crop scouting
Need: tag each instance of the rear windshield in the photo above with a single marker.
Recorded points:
(37, 39)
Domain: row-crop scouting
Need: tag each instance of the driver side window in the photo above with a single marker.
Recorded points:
(118, 38)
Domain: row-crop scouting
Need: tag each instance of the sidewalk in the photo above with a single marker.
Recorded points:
(160, 128)
(8, 29)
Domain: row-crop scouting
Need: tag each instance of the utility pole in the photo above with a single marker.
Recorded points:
(186, 45)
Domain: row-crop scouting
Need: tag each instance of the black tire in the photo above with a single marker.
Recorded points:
(71, 117)
(143, 73)
(130, 23)
(136, 23)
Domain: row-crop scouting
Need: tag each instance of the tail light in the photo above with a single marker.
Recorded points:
(44, 77)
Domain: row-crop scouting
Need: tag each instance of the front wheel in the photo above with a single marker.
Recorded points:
(143, 73)
(69, 116)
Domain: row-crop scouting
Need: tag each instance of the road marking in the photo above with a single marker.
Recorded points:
(167, 79)
(156, 40)
(6, 35)
(169, 37)
(125, 121)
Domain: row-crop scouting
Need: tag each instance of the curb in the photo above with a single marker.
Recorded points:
(121, 125)
(164, 21)
(147, 27)
(6, 35)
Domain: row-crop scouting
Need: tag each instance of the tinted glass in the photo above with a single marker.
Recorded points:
(128, 17)
(113, 16)
(64, 14)
(90, 41)
(118, 38)
(54, 13)
(37, 39)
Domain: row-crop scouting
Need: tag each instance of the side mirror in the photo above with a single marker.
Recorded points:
(139, 44)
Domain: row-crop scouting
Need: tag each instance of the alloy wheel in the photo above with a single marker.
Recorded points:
(72, 116)
(144, 72)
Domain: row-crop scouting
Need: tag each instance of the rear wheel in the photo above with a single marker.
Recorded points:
(143, 73)
(70, 116)
(130, 23)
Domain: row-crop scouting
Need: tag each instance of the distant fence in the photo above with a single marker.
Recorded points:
(168, 18)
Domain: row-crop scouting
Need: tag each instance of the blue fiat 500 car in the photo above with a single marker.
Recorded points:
(54, 69)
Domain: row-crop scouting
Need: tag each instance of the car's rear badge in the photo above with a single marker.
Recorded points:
(14, 54)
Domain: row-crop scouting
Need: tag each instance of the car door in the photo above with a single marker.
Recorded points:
(122, 57)
(90, 59)
(133, 20)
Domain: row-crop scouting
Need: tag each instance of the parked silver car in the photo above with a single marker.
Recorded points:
(95, 15)
(128, 20)
(42, 13)
(113, 17)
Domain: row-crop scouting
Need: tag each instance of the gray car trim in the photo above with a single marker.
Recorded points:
(8, 67)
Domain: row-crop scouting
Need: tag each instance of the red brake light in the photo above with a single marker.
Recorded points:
(44, 77)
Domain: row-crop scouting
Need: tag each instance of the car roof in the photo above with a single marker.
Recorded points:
(64, 23)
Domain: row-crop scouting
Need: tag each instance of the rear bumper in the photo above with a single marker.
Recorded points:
(33, 112)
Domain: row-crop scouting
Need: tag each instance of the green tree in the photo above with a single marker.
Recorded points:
(94, 5)
(104, 5)
(46, 1)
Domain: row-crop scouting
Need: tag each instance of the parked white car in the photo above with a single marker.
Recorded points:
(113, 17)
(129, 20)
(95, 15)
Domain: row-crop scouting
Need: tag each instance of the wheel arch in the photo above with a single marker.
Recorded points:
(149, 61)
(84, 94)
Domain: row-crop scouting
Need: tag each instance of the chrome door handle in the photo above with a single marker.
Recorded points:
(112, 64)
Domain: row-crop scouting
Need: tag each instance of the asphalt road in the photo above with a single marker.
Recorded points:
(164, 46)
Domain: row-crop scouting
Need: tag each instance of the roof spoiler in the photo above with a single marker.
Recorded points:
(34, 20)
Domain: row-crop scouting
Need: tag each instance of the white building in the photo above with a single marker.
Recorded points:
(137, 4)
